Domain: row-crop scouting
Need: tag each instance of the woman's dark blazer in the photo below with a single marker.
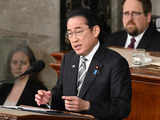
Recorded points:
(28, 95)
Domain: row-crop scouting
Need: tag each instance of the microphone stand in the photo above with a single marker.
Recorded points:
(10, 81)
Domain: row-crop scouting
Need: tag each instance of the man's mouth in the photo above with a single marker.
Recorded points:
(77, 46)
(130, 23)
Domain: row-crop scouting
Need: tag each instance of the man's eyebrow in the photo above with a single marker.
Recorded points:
(76, 28)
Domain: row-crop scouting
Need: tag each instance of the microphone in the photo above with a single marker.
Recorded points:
(35, 68)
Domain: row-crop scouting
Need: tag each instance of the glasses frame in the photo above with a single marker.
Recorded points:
(77, 32)
(133, 13)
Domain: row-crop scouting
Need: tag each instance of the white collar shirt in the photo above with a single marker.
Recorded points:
(90, 56)
(137, 38)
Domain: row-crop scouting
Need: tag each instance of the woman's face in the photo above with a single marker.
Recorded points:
(19, 63)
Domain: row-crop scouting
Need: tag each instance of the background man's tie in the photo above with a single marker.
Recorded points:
(131, 45)
(81, 74)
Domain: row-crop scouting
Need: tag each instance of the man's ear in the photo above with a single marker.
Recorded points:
(96, 30)
(149, 17)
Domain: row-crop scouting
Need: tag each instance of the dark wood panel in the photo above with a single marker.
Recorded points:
(145, 101)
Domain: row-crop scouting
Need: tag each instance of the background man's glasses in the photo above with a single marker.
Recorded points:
(133, 14)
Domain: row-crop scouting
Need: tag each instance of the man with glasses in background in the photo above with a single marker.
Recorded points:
(93, 79)
(139, 31)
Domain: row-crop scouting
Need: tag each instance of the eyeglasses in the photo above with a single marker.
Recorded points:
(133, 14)
(77, 33)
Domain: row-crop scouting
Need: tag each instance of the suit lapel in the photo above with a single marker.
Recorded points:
(74, 74)
(92, 72)
(145, 41)
(124, 38)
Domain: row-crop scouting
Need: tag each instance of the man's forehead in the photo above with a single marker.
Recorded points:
(132, 5)
(76, 20)
(76, 26)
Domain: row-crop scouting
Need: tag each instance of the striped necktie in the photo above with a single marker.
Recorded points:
(81, 73)
(132, 43)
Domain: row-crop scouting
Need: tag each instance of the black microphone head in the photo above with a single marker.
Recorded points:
(37, 66)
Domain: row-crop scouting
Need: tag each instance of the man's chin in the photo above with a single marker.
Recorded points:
(132, 32)
(78, 52)
(81, 53)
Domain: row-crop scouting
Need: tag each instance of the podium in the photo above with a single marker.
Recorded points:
(14, 114)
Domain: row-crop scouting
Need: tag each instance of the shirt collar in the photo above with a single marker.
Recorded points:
(91, 54)
(137, 38)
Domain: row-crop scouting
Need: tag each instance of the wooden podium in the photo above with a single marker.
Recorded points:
(145, 88)
(13, 114)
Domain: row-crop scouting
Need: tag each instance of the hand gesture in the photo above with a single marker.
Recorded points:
(43, 97)
(74, 103)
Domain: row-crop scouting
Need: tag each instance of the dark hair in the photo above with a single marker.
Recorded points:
(91, 17)
(22, 48)
(146, 4)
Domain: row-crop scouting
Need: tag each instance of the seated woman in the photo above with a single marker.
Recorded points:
(20, 91)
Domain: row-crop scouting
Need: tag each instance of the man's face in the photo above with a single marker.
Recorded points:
(81, 37)
(134, 19)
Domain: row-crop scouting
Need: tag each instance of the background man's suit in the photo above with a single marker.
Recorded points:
(150, 40)
(107, 84)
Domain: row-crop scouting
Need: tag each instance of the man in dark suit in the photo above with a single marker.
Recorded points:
(105, 90)
(137, 24)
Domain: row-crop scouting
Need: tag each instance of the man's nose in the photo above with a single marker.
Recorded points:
(130, 17)
(74, 38)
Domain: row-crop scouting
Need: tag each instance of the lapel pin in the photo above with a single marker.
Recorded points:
(73, 66)
(96, 70)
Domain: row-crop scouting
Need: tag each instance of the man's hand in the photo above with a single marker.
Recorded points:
(42, 97)
(74, 103)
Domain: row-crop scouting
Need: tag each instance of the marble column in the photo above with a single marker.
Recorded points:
(116, 23)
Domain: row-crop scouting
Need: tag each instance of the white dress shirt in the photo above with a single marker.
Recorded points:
(90, 55)
(137, 38)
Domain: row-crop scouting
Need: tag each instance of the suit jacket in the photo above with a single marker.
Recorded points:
(28, 95)
(108, 89)
(150, 40)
